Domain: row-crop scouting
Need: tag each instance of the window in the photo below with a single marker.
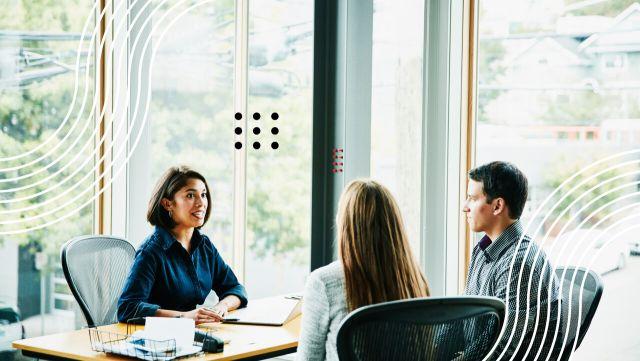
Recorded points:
(520, 119)
(277, 254)
(196, 93)
(614, 61)
(47, 151)
(191, 117)
(396, 106)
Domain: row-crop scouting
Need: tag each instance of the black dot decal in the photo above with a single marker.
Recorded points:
(275, 130)
(238, 130)
(238, 145)
(256, 116)
(238, 116)
(275, 116)
(275, 145)
(256, 145)
(256, 130)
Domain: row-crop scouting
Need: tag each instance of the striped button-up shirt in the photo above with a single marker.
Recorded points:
(491, 274)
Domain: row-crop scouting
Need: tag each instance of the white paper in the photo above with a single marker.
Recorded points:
(166, 328)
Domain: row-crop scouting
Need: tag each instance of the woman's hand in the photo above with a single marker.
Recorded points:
(220, 309)
(204, 315)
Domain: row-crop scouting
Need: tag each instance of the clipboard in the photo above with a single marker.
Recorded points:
(273, 311)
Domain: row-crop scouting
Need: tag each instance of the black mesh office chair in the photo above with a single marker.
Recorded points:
(446, 328)
(96, 268)
(591, 294)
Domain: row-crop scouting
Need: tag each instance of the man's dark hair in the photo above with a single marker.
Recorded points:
(169, 184)
(503, 180)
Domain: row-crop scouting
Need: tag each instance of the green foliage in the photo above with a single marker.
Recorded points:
(194, 127)
(51, 237)
(565, 167)
(278, 181)
(604, 8)
(490, 68)
(577, 108)
(279, 186)
(28, 115)
(44, 15)
(588, 107)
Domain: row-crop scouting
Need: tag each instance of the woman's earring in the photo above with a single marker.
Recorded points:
(171, 214)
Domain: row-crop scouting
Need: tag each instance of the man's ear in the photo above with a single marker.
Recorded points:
(498, 206)
(166, 204)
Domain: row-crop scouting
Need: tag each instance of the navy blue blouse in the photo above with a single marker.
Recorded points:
(164, 275)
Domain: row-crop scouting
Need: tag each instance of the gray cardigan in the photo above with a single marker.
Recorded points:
(323, 309)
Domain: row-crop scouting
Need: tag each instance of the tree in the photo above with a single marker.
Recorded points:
(581, 108)
(491, 54)
(565, 167)
(29, 112)
(604, 8)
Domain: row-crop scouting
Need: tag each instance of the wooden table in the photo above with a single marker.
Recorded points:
(247, 342)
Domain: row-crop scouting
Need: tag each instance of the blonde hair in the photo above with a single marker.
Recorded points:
(377, 259)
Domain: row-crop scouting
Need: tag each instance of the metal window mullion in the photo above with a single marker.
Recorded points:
(341, 111)
(441, 150)
(240, 86)
(434, 149)
(454, 153)
(323, 183)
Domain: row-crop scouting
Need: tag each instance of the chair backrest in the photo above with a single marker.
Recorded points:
(591, 294)
(96, 268)
(443, 328)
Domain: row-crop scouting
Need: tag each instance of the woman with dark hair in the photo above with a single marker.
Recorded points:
(375, 265)
(177, 266)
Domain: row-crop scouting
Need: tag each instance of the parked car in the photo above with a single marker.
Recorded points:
(612, 257)
(634, 248)
(11, 329)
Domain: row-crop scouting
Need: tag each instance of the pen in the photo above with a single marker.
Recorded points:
(230, 319)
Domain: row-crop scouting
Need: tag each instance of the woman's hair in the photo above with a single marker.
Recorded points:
(171, 182)
(374, 249)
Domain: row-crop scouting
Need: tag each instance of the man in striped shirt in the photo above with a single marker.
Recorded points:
(507, 264)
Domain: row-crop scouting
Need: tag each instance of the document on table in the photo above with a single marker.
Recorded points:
(273, 311)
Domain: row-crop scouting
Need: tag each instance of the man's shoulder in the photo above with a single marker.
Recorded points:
(524, 251)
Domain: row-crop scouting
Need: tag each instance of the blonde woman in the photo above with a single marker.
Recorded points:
(375, 265)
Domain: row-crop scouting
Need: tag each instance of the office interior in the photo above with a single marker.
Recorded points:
(280, 103)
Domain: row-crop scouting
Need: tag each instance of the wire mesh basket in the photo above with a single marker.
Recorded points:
(139, 347)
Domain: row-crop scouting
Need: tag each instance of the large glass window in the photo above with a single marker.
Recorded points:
(192, 119)
(191, 113)
(396, 106)
(47, 151)
(558, 91)
(279, 146)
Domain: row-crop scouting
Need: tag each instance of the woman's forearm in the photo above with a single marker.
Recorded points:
(169, 313)
(230, 302)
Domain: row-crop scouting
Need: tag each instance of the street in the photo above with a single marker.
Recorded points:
(615, 330)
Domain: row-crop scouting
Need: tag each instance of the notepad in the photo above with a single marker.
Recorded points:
(182, 330)
(273, 311)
